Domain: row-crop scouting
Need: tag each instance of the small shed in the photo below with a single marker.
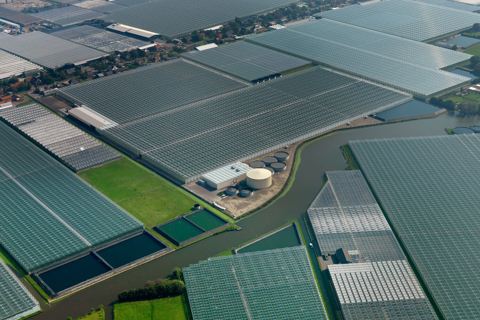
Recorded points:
(226, 176)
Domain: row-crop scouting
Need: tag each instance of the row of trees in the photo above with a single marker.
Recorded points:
(447, 104)
(468, 108)
(161, 288)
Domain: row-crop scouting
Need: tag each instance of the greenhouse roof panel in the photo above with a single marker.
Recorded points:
(399, 63)
(176, 18)
(273, 284)
(247, 60)
(67, 16)
(248, 122)
(15, 300)
(426, 186)
(409, 19)
(38, 193)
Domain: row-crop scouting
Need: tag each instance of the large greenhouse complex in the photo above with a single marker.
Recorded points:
(379, 284)
(48, 213)
(393, 61)
(409, 19)
(428, 188)
(234, 126)
(269, 285)
(247, 61)
(173, 19)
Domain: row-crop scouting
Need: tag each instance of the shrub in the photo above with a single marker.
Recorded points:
(163, 289)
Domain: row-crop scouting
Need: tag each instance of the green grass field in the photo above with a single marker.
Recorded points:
(143, 194)
(98, 314)
(162, 309)
(474, 51)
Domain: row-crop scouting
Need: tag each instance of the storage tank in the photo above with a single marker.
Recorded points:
(269, 160)
(259, 178)
(462, 130)
(279, 166)
(282, 156)
(476, 129)
(257, 164)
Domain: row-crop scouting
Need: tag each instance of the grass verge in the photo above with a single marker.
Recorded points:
(175, 308)
(449, 130)
(98, 314)
(349, 157)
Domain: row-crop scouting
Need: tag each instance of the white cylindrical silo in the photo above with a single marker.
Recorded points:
(259, 178)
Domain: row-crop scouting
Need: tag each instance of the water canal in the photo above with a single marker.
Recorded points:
(317, 157)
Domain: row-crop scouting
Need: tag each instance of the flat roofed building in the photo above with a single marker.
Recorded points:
(50, 51)
(247, 60)
(428, 189)
(16, 302)
(226, 176)
(269, 285)
(406, 18)
(389, 60)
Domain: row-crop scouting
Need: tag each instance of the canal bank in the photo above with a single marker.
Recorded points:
(319, 156)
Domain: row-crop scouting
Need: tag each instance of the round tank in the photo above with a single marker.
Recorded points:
(269, 160)
(271, 170)
(257, 164)
(231, 191)
(476, 129)
(279, 166)
(259, 178)
(282, 156)
(245, 193)
(462, 130)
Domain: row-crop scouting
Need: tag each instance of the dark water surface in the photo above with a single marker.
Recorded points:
(319, 156)
(206, 220)
(285, 238)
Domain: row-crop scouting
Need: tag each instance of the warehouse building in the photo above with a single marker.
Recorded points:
(226, 176)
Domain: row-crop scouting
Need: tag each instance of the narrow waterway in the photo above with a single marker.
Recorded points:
(319, 156)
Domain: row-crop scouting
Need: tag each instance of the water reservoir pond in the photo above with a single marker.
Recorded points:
(464, 73)
(180, 230)
(285, 238)
(130, 250)
(206, 220)
(411, 109)
(463, 42)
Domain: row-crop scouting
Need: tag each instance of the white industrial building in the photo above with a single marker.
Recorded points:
(226, 176)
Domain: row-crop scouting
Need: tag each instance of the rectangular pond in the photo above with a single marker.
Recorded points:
(206, 220)
(283, 238)
(463, 42)
(192, 226)
(411, 109)
(73, 273)
(464, 73)
(131, 250)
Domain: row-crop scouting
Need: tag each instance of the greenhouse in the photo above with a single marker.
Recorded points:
(67, 16)
(50, 51)
(453, 5)
(346, 215)
(428, 189)
(247, 60)
(138, 93)
(16, 302)
(269, 285)
(409, 19)
(178, 18)
(38, 193)
(99, 39)
(247, 123)
(11, 65)
(399, 63)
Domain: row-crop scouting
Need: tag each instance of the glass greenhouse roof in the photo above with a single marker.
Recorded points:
(428, 188)
(67, 16)
(250, 122)
(177, 18)
(50, 51)
(150, 90)
(409, 19)
(38, 193)
(453, 5)
(399, 63)
(269, 285)
(246, 60)
(99, 39)
(74, 147)
(15, 300)
(379, 282)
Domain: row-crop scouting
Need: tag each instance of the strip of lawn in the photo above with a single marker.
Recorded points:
(175, 308)
(143, 194)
